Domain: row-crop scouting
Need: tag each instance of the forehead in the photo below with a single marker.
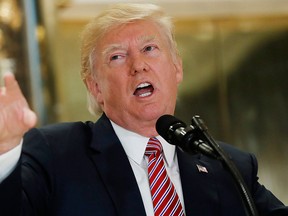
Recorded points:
(138, 31)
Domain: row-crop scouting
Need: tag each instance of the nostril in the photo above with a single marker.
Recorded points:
(139, 66)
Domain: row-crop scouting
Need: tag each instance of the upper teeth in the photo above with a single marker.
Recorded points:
(143, 85)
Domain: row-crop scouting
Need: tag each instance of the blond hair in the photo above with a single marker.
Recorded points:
(118, 14)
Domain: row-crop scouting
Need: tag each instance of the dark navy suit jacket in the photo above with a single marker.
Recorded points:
(81, 169)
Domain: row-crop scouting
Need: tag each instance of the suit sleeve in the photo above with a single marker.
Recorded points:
(265, 200)
(27, 190)
(10, 194)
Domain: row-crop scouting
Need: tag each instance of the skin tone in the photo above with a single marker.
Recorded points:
(136, 82)
(15, 115)
(136, 76)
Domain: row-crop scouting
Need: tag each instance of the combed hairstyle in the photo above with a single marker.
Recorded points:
(117, 15)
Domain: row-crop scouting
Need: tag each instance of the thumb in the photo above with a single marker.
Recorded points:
(29, 117)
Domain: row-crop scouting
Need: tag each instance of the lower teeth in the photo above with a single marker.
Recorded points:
(145, 94)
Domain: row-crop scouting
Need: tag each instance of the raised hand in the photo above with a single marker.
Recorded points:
(15, 115)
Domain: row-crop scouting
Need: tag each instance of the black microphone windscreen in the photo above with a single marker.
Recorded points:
(164, 123)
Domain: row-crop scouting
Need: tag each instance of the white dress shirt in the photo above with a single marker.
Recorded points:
(135, 146)
(8, 161)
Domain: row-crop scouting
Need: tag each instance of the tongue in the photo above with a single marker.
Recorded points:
(142, 91)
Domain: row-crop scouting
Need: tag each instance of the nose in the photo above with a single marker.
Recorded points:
(139, 64)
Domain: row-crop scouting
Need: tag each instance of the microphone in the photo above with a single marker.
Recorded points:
(190, 139)
(175, 132)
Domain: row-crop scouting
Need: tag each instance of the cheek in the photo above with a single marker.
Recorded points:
(112, 89)
(174, 77)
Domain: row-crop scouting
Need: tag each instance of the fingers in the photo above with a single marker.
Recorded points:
(9, 83)
(15, 115)
(2, 91)
(12, 87)
(12, 94)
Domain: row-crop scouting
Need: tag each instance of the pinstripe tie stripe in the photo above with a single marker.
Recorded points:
(165, 199)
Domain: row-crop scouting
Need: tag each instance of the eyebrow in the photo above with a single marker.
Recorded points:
(147, 38)
(111, 48)
(142, 39)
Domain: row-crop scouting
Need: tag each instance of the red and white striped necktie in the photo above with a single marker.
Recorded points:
(165, 199)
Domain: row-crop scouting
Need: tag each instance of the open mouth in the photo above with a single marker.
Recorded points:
(144, 90)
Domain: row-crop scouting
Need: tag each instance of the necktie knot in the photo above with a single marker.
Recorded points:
(153, 147)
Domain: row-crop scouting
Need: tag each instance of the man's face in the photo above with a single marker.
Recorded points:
(137, 78)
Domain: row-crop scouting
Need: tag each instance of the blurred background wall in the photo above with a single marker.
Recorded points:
(235, 67)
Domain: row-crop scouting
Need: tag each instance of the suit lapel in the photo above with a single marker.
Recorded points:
(114, 168)
(199, 190)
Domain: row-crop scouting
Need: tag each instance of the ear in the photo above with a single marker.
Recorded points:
(179, 70)
(94, 89)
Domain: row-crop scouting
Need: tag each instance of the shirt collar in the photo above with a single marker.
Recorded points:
(130, 139)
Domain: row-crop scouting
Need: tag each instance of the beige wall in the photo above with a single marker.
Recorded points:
(71, 90)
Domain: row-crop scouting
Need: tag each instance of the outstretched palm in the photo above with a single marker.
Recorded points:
(15, 115)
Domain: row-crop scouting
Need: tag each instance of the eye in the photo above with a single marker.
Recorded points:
(115, 57)
(149, 48)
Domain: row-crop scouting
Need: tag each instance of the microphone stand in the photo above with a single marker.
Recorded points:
(198, 126)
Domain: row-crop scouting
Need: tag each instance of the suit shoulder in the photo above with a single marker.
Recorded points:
(235, 152)
(245, 161)
(61, 131)
(66, 127)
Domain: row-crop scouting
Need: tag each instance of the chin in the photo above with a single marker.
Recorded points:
(153, 114)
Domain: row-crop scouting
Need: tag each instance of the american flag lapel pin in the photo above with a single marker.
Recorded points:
(201, 169)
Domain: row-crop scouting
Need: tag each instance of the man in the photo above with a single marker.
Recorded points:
(131, 68)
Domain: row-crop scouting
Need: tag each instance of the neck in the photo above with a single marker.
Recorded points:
(147, 129)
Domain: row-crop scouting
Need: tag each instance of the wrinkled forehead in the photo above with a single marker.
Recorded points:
(142, 39)
(139, 31)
